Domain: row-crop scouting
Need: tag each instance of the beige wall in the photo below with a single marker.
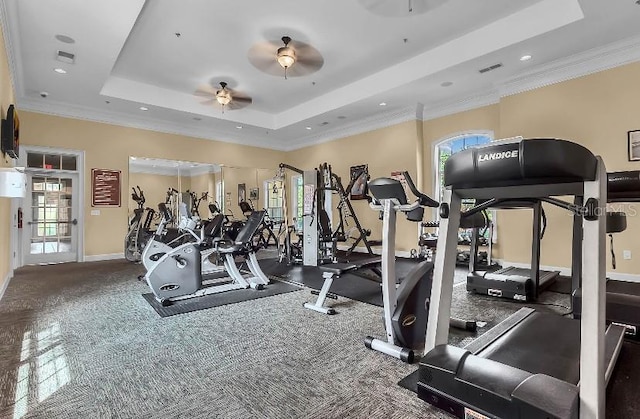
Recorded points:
(252, 178)
(385, 150)
(109, 147)
(596, 111)
(6, 98)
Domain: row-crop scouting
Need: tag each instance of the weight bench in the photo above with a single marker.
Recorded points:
(333, 271)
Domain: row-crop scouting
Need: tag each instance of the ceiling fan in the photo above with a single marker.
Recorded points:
(224, 97)
(287, 56)
(400, 8)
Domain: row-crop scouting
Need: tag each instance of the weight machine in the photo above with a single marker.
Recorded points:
(317, 243)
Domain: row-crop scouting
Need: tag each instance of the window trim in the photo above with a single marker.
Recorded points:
(435, 161)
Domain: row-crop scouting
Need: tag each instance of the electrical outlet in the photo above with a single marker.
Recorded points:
(626, 254)
(95, 212)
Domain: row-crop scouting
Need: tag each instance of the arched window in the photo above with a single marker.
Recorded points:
(446, 148)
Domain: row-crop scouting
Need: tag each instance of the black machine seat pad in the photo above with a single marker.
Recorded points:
(244, 235)
(542, 344)
(623, 186)
(342, 268)
(527, 162)
(213, 227)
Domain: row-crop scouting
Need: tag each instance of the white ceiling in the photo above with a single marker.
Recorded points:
(127, 53)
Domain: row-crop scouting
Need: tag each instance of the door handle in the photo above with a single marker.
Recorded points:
(74, 221)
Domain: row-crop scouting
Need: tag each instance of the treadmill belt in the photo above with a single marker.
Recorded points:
(622, 395)
(623, 287)
(521, 274)
(542, 344)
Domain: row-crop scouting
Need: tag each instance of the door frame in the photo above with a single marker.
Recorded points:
(80, 171)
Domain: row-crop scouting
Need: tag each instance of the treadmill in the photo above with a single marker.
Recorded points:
(516, 283)
(623, 298)
(534, 364)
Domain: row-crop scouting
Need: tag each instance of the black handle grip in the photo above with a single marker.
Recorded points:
(424, 200)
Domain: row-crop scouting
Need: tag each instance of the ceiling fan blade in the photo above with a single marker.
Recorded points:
(203, 93)
(233, 106)
(209, 102)
(242, 99)
(263, 57)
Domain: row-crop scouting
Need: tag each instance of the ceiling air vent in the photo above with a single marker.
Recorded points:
(490, 68)
(66, 57)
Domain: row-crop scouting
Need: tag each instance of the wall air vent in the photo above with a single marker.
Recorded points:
(66, 57)
(490, 68)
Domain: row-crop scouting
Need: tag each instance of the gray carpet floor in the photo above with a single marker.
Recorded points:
(79, 341)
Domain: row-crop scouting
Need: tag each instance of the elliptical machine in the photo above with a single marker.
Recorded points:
(139, 231)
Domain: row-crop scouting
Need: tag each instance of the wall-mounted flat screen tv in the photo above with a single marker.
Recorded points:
(11, 133)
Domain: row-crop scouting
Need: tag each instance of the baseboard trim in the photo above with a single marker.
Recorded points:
(618, 276)
(5, 284)
(109, 256)
(376, 250)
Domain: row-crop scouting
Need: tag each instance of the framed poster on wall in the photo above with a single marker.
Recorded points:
(633, 138)
(359, 176)
(105, 188)
(242, 193)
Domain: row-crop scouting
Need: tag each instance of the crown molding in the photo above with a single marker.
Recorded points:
(592, 61)
(445, 108)
(11, 36)
(369, 123)
(66, 110)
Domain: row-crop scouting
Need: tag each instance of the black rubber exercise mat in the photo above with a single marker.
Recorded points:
(350, 285)
(217, 300)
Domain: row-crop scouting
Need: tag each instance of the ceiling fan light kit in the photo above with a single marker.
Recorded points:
(286, 56)
(223, 96)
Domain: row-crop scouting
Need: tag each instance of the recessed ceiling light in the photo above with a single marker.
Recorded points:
(144, 108)
(309, 128)
(197, 118)
(383, 103)
(525, 58)
(60, 70)
(447, 84)
(107, 102)
(66, 39)
(239, 126)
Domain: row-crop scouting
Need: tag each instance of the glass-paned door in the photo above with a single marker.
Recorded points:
(50, 228)
(273, 199)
